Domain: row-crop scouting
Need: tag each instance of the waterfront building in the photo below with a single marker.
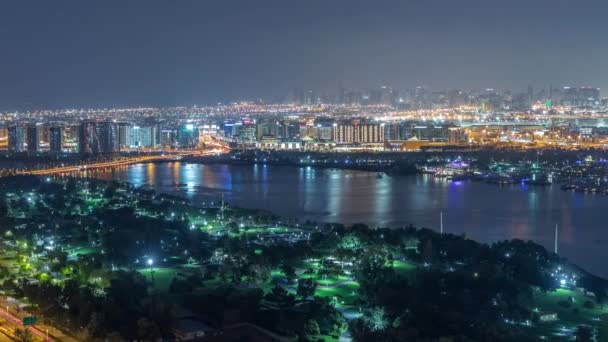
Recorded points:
(457, 135)
(187, 135)
(324, 132)
(98, 137)
(33, 138)
(358, 133)
(17, 139)
(56, 139)
(134, 136)
(247, 133)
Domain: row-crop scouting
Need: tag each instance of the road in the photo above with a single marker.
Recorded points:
(100, 165)
(16, 322)
(15, 319)
(115, 163)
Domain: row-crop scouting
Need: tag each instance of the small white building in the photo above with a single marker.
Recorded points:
(548, 316)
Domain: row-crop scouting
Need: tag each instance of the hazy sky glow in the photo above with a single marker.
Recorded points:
(57, 54)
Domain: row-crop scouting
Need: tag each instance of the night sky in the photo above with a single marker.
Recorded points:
(58, 54)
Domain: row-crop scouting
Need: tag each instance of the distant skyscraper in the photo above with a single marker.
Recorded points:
(98, 137)
(231, 129)
(457, 135)
(392, 131)
(359, 133)
(247, 133)
(325, 132)
(136, 136)
(56, 139)
(187, 135)
(530, 95)
(17, 139)
(33, 138)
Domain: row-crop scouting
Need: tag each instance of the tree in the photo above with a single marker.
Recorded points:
(583, 333)
(306, 288)
(233, 227)
(428, 252)
(147, 330)
(70, 186)
(96, 324)
(258, 274)
(24, 335)
(280, 296)
(110, 191)
(3, 207)
(376, 319)
(311, 328)
(289, 270)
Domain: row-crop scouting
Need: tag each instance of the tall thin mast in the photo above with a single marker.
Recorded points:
(556, 239)
(222, 208)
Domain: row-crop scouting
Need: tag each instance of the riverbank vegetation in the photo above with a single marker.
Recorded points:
(101, 260)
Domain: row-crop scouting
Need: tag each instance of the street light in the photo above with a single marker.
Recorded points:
(150, 263)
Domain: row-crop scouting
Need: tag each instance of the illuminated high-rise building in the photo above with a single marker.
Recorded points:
(33, 138)
(359, 133)
(136, 136)
(187, 135)
(98, 137)
(56, 139)
(17, 139)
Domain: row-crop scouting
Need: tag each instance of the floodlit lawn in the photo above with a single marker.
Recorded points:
(567, 316)
(253, 231)
(267, 230)
(326, 338)
(93, 201)
(549, 302)
(346, 294)
(279, 230)
(276, 273)
(84, 250)
(162, 277)
(312, 264)
(404, 268)
(331, 279)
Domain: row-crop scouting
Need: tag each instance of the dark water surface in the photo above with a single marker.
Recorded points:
(484, 212)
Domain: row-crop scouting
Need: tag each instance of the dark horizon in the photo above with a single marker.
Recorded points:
(67, 54)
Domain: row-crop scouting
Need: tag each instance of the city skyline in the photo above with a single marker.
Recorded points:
(272, 170)
(160, 54)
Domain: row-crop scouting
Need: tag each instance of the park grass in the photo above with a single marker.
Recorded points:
(405, 269)
(550, 302)
(84, 250)
(331, 279)
(346, 293)
(160, 277)
(267, 230)
(277, 273)
(325, 338)
(567, 317)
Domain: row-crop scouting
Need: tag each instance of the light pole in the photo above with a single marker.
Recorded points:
(150, 263)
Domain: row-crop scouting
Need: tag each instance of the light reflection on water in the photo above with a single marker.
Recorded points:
(481, 211)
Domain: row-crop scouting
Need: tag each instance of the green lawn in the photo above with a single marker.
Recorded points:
(160, 277)
(572, 316)
(331, 279)
(404, 268)
(346, 294)
(84, 250)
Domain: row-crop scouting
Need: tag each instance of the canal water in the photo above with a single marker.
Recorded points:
(484, 212)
